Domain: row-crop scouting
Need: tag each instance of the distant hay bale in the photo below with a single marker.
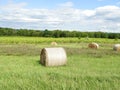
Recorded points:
(53, 57)
(116, 47)
(93, 45)
(54, 44)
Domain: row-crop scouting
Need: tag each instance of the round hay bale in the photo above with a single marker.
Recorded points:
(53, 57)
(116, 47)
(93, 45)
(54, 44)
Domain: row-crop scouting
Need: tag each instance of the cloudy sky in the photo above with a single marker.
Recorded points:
(82, 15)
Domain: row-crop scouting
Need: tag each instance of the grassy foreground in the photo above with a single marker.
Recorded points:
(81, 73)
(86, 69)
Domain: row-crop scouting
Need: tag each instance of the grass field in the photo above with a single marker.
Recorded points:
(86, 69)
(38, 40)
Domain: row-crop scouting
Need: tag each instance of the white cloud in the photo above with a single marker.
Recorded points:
(89, 12)
(108, 8)
(12, 5)
(17, 16)
(109, 13)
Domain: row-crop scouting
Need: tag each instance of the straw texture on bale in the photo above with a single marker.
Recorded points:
(93, 45)
(116, 47)
(53, 57)
(54, 44)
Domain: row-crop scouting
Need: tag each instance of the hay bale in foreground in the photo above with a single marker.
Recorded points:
(54, 44)
(93, 45)
(116, 47)
(53, 57)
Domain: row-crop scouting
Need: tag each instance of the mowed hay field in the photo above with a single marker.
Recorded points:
(86, 69)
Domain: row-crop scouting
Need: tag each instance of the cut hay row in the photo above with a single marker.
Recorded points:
(94, 45)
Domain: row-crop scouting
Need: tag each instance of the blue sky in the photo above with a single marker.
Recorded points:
(82, 4)
(82, 15)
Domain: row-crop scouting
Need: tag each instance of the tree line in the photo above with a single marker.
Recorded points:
(56, 33)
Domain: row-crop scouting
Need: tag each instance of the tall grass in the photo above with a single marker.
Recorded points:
(81, 73)
(37, 40)
(86, 69)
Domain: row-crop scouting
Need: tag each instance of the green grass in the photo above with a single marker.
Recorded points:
(25, 73)
(86, 69)
(38, 40)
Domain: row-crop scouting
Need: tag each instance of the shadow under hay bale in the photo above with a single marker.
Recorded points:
(116, 47)
(53, 57)
(93, 45)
